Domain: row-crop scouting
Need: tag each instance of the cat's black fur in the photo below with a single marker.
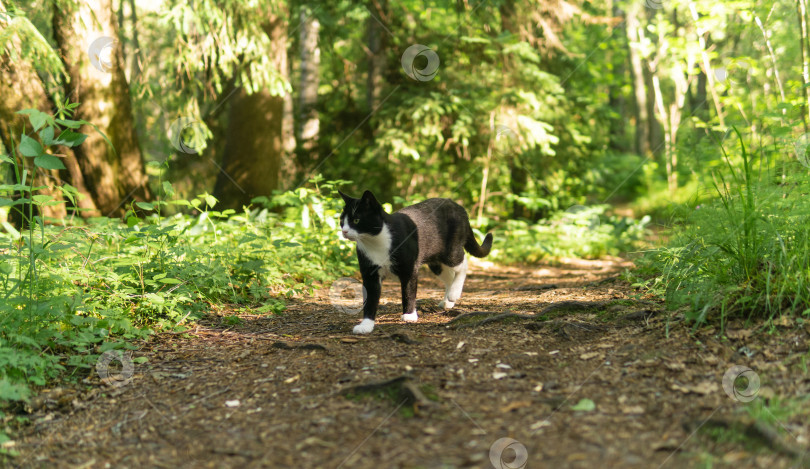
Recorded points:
(434, 232)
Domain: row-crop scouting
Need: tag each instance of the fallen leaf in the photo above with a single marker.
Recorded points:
(633, 409)
(498, 375)
(584, 405)
(539, 425)
(233, 403)
(671, 444)
(739, 334)
(292, 380)
(349, 340)
(515, 405)
(705, 387)
(589, 355)
(736, 456)
(312, 441)
(784, 321)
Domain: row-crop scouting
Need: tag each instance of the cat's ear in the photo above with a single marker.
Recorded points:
(368, 198)
(346, 198)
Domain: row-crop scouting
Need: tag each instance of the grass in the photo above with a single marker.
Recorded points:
(744, 251)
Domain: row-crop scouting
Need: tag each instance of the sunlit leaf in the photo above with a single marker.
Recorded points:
(48, 162)
(30, 147)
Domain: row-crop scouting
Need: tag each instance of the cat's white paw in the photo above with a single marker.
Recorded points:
(412, 317)
(447, 304)
(365, 327)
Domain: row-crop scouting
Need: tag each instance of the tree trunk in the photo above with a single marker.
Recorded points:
(308, 123)
(377, 48)
(707, 66)
(135, 61)
(21, 88)
(699, 104)
(254, 152)
(616, 97)
(801, 15)
(518, 175)
(639, 82)
(114, 175)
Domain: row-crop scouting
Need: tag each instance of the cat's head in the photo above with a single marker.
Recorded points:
(361, 217)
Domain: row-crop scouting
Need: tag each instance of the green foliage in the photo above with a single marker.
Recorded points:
(746, 250)
(580, 232)
(70, 292)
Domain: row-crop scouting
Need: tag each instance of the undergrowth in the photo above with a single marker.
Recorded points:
(585, 232)
(745, 250)
(71, 290)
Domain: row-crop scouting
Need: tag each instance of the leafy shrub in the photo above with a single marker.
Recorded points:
(70, 292)
(586, 232)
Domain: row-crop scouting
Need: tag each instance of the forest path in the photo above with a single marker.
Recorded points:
(596, 382)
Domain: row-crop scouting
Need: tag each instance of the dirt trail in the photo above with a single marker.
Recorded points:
(596, 383)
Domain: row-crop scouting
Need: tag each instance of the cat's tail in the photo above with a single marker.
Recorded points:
(471, 245)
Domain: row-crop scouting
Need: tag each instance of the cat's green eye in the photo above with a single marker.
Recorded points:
(356, 221)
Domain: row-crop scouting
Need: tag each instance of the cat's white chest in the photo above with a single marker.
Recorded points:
(377, 248)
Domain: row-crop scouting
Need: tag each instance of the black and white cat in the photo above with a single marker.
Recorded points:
(435, 232)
